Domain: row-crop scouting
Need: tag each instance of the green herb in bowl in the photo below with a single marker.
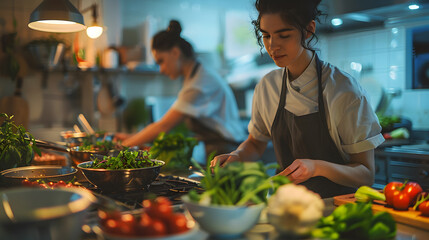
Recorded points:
(126, 159)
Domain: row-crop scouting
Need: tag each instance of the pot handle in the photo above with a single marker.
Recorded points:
(51, 145)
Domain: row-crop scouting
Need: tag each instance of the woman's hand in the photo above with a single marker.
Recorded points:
(121, 137)
(300, 170)
(224, 159)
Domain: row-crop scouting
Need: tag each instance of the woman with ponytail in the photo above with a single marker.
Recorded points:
(205, 102)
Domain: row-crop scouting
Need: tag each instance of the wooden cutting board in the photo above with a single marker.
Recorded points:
(410, 217)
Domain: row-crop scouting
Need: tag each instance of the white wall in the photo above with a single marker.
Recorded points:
(384, 51)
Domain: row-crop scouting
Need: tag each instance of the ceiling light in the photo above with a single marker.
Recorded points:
(94, 31)
(56, 16)
(336, 21)
(413, 6)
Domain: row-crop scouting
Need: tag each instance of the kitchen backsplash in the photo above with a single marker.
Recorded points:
(378, 59)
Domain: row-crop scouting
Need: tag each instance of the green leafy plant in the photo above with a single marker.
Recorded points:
(126, 159)
(17, 146)
(356, 221)
(174, 149)
(238, 183)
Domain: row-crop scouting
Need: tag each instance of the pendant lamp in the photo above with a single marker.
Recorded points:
(58, 16)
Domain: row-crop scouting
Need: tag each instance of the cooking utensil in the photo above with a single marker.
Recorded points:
(14, 176)
(77, 155)
(120, 180)
(38, 213)
(85, 124)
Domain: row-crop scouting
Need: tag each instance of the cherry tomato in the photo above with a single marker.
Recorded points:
(401, 200)
(177, 223)
(51, 184)
(111, 226)
(127, 225)
(389, 189)
(147, 226)
(424, 208)
(159, 208)
(27, 183)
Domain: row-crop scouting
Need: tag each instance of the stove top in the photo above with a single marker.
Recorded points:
(172, 187)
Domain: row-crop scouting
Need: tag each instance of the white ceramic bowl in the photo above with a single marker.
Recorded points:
(38, 213)
(224, 221)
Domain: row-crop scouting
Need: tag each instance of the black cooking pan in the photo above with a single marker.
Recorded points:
(76, 153)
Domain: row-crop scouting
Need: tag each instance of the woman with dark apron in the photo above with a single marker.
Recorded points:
(205, 102)
(318, 117)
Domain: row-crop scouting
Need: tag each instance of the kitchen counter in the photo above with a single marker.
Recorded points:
(265, 231)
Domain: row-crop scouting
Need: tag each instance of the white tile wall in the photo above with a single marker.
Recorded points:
(382, 53)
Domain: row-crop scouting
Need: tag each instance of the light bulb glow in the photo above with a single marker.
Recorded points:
(413, 6)
(94, 31)
(336, 21)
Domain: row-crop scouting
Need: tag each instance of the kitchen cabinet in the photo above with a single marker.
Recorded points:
(396, 164)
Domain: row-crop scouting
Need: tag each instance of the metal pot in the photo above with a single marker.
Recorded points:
(120, 180)
(37, 213)
(77, 155)
(15, 176)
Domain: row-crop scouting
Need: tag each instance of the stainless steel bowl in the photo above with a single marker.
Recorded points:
(38, 213)
(14, 176)
(120, 180)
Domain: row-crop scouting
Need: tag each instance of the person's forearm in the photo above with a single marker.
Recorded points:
(146, 135)
(250, 150)
(352, 175)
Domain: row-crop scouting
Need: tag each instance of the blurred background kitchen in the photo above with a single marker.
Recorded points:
(115, 83)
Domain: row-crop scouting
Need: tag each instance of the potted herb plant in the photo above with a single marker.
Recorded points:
(17, 146)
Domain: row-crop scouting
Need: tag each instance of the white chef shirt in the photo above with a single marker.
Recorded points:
(207, 97)
(352, 123)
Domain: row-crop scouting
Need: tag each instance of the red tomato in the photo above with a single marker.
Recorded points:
(159, 208)
(127, 225)
(389, 189)
(401, 200)
(27, 183)
(424, 208)
(387, 136)
(177, 223)
(111, 226)
(412, 189)
(148, 226)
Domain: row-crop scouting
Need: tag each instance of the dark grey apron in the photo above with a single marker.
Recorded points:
(213, 140)
(308, 137)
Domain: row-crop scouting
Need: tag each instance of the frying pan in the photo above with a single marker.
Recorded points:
(77, 155)
(14, 176)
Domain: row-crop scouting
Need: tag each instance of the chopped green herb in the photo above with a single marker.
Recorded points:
(126, 159)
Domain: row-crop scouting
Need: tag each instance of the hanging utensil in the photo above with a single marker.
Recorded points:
(85, 124)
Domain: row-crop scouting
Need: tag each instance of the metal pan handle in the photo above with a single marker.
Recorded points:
(51, 145)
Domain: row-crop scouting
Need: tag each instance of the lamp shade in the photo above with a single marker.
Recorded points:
(56, 16)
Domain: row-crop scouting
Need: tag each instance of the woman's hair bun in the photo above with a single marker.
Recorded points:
(174, 27)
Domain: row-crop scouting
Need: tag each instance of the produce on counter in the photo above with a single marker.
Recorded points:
(126, 159)
(400, 133)
(356, 221)
(422, 203)
(401, 196)
(238, 183)
(17, 146)
(156, 220)
(174, 149)
(368, 194)
(102, 145)
(51, 185)
(294, 210)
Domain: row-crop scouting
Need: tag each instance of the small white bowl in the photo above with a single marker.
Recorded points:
(224, 221)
